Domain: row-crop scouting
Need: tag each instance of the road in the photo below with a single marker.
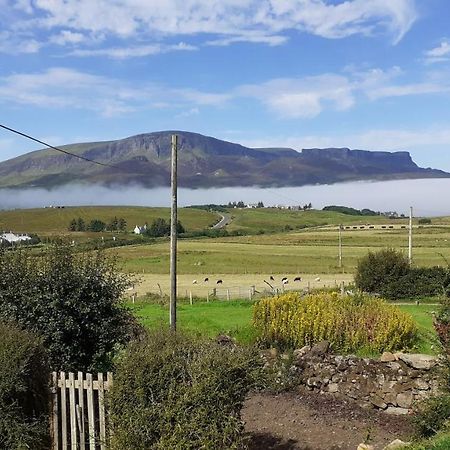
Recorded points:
(224, 221)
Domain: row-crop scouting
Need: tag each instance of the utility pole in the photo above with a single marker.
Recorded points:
(410, 235)
(173, 238)
(340, 246)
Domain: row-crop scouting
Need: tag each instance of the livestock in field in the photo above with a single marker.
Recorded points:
(219, 281)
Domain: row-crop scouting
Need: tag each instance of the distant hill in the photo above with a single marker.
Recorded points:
(205, 162)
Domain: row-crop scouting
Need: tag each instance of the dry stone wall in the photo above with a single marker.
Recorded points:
(392, 383)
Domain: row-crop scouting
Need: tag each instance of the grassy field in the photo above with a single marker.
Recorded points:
(54, 221)
(234, 318)
(300, 252)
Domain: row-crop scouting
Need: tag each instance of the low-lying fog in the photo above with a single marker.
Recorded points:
(429, 197)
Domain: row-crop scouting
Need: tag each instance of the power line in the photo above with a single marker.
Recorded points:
(112, 166)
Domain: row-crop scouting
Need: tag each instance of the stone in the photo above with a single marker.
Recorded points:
(320, 348)
(273, 352)
(396, 411)
(418, 361)
(299, 352)
(333, 387)
(378, 402)
(365, 447)
(387, 357)
(396, 444)
(405, 399)
(390, 398)
(394, 366)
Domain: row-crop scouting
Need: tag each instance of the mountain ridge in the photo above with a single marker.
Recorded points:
(205, 161)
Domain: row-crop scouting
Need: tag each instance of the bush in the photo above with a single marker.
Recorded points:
(171, 391)
(24, 377)
(73, 301)
(432, 415)
(425, 221)
(377, 270)
(349, 323)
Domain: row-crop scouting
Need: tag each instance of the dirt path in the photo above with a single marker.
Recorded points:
(305, 421)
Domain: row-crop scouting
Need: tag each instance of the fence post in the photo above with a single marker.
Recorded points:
(81, 410)
(101, 411)
(55, 410)
(190, 297)
(72, 413)
(207, 296)
(90, 407)
(62, 379)
(228, 294)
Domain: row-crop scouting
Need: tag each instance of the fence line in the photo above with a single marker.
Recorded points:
(79, 419)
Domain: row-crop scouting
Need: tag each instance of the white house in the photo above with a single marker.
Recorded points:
(12, 237)
(140, 230)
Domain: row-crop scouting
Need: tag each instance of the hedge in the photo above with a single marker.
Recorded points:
(24, 395)
(172, 391)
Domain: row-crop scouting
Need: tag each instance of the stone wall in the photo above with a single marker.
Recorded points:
(391, 383)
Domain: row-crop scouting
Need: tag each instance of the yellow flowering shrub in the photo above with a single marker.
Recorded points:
(349, 323)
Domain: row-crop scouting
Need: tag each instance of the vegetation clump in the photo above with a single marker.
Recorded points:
(388, 273)
(72, 300)
(349, 323)
(24, 376)
(173, 391)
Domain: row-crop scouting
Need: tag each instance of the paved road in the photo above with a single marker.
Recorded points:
(224, 221)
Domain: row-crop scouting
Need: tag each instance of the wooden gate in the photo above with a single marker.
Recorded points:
(79, 413)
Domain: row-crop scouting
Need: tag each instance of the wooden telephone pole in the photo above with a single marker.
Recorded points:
(173, 238)
(340, 246)
(410, 235)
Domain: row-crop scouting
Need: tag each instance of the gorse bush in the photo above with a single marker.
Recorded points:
(24, 377)
(350, 323)
(174, 392)
(72, 301)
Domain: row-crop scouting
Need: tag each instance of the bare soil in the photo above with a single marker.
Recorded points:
(310, 421)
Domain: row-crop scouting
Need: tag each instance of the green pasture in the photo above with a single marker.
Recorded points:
(54, 221)
(234, 318)
(307, 251)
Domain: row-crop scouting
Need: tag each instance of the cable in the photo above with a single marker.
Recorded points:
(66, 152)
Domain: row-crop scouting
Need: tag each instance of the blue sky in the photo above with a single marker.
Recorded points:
(368, 74)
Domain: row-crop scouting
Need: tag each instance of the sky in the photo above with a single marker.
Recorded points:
(366, 74)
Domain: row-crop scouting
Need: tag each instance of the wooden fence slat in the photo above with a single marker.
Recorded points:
(101, 411)
(90, 406)
(62, 377)
(72, 413)
(81, 403)
(55, 412)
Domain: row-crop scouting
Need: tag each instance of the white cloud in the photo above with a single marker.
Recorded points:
(376, 139)
(439, 54)
(137, 22)
(65, 88)
(303, 97)
(135, 51)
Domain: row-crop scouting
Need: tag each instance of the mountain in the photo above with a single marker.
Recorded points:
(204, 162)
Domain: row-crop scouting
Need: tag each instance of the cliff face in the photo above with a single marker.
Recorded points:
(204, 162)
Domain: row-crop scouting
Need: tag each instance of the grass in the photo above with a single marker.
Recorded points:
(54, 221)
(234, 318)
(438, 442)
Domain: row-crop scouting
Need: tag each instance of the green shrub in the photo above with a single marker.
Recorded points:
(377, 270)
(352, 323)
(425, 221)
(171, 391)
(24, 377)
(432, 415)
(73, 301)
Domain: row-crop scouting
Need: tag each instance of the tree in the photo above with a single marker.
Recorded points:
(122, 224)
(159, 227)
(72, 300)
(376, 272)
(81, 226)
(96, 225)
(113, 224)
(73, 225)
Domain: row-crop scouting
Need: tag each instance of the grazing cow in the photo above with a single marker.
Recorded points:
(206, 280)
(285, 281)
(298, 279)
(219, 282)
(317, 279)
(194, 281)
(272, 278)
